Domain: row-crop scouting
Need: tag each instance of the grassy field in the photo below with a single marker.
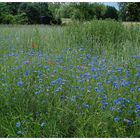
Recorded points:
(79, 80)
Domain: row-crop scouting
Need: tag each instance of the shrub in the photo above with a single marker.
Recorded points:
(8, 19)
(21, 18)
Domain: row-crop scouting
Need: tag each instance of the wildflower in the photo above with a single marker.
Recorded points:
(71, 66)
(18, 124)
(20, 132)
(105, 103)
(42, 124)
(139, 88)
(138, 107)
(103, 107)
(82, 89)
(117, 118)
(132, 90)
(138, 74)
(86, 105)
(69, 49)
(58, 89)
(129, 122)
(95, 76)
(46, 67)
(73, 98)
(20, 83)
(11, 54)
(26, 73)
(119, 70)
(116, 85)
(77, 87)
(89, 87)
(96, 89)
(36, 92)
(92, 69)
(26, 62)
(33, 46)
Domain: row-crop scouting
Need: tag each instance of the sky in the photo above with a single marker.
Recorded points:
(114, 4)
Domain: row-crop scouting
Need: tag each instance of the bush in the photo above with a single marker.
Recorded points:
(8, 19)
(21, 18)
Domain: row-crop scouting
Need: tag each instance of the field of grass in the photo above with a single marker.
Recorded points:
(79, 80)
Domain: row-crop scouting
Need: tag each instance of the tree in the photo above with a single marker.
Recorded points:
(111, 12)
(129, 11)
(32, 11)
(22, 13)
(122, 10)
(133, 11)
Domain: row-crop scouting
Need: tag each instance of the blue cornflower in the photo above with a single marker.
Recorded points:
(77, 87)
(82, 89)
(92, 69)
(18, 124)
(86, 105)
(138, 107)
(53, 82)
(20, 83)
(89, 87)
(26, 62)
(116, 85)
(88, 55)
(119, 70)
(20, 133)
(123, 83)
(46, 67)
(26, 73)
(11, 54)
(132, 90)
(80, 81)
(106, 104)
(96, 89)
(58, 89)
(81, 76)
(60, 79)
(71, 66)
(42, 124)
(95, 76)
(138, 74)
(117, 118)
(103, 107)
(139, 88)
(129, 122)
(73, 98)
(69, 49)
(36, 92)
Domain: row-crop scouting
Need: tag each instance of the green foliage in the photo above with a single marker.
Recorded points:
(21, 18)
(111, 13)
(24, 13)
(32, 11)
(122, 11)
(129, 11)
(8, 19)
(86, 11)
(133, 12)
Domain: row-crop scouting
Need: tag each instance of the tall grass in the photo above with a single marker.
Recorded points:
(80, 80)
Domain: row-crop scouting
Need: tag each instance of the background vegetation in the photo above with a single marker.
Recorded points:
(30, 13)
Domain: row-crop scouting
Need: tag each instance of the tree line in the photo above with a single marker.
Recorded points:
(31, 13)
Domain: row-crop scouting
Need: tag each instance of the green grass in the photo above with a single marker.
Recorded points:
(74, 83)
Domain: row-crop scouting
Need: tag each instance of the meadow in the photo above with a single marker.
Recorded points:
(78, 80)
